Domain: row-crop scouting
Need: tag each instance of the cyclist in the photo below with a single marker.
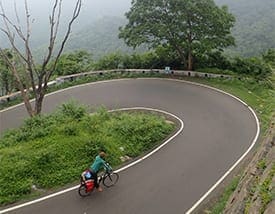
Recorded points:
(98, 163)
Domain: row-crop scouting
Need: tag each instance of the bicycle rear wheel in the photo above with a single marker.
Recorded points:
(82, 191)
(110, 179)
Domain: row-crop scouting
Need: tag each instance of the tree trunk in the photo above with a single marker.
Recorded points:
(24, 92)
(38, 105)
(190, 61)
(39, 101)
(181, 55)
(7, 88)
(27, 103)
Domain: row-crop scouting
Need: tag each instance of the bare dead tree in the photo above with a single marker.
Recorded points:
(34, 78)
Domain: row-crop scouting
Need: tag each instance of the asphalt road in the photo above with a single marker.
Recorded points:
(218, 130)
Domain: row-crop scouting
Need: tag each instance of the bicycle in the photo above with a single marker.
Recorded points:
(109, 178)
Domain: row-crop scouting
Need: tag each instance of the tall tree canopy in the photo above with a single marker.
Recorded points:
(7, 81)
(74, 62)
(188, 26)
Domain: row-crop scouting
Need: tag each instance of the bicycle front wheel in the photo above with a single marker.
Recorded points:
(82, 191)
(110, 179)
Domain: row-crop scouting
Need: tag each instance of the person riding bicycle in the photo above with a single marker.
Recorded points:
(98, 163)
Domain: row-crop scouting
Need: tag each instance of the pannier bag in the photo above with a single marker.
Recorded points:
(89, 185)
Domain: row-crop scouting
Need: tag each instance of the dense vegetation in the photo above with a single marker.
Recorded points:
(257, 68)
(98, 47)
(52, 150)
(254, 30)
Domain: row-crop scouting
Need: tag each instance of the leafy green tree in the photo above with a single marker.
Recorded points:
(269, 57)
(110, 61)
(168, 57)
(254, 66)
(7, 80)
(160, 57)
(75, 62)
(189, 26)
(146, 60)
(214, 59)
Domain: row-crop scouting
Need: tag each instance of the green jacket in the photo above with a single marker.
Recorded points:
(97, 164)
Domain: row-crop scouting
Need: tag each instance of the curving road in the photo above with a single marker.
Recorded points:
(218, 131)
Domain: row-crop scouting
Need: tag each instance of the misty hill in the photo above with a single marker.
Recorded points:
(100, 37)
(254, 30)
(96, 30)
(91, 16)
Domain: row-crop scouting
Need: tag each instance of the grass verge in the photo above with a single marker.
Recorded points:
(219, 207)
(50, 151)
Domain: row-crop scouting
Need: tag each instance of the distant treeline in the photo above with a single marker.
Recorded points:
(259, 68)
(254, 31)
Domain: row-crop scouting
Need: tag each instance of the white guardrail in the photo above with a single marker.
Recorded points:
(61, 79)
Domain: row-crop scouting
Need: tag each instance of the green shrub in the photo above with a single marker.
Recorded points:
(269, 57)
(255, 67)
(265, 190)
(214, 59)
(70, 129)
(32, 128)
(215, 71)
(139, 133)
(35, 127)
(74, 62)
(73, 110)
(261, 164)
(14, 190)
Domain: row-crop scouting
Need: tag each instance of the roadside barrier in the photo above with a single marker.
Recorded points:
(61, 79)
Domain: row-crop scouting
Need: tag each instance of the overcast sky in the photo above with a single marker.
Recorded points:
(91, 11)
(95, 8)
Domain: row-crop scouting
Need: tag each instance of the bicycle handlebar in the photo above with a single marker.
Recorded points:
(108, 167)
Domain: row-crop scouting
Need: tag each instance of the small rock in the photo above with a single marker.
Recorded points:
(125, 158)
(122, 158)
(34, 187)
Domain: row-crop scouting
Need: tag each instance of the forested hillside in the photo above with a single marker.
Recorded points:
(100, 37)
(97, 28)
(254, 30)
(255, 25)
